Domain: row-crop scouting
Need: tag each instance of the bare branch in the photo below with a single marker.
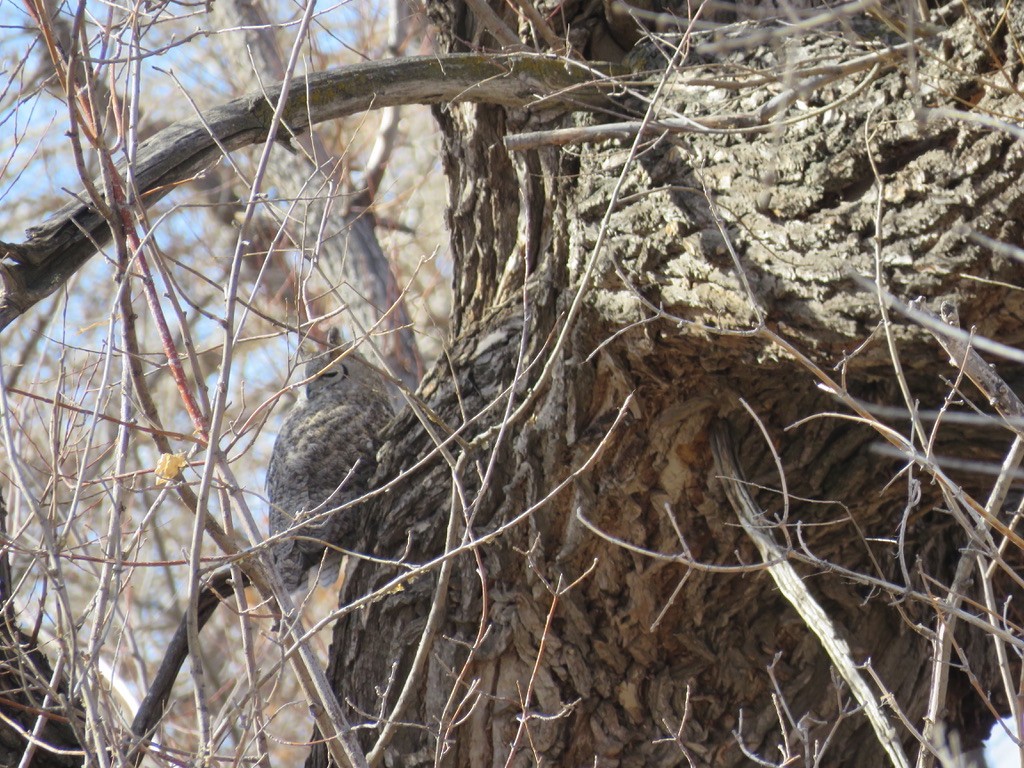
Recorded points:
(56, 249)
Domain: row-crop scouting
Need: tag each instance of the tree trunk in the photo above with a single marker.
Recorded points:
(605, 606)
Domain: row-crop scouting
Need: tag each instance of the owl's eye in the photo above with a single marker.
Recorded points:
(340, 369)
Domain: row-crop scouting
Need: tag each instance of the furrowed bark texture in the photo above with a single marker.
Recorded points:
(645, 659)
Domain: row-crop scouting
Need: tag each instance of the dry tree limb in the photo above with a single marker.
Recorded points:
(56, 249)
(962, 355)
(217, 589)
(795, 591)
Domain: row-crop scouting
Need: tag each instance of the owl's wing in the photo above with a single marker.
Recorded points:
(287, 489)
(323, 458)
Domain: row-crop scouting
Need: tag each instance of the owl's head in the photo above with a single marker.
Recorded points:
(339, 372)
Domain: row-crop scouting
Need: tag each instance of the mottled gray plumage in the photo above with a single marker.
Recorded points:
(324, 456)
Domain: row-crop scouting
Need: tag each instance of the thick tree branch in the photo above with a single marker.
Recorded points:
(55, 250)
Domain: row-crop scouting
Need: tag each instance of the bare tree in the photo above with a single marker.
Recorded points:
(692, 482)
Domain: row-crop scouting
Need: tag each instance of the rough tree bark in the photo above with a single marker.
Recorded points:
(625, 338)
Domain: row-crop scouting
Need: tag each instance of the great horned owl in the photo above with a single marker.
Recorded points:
(324, 456)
